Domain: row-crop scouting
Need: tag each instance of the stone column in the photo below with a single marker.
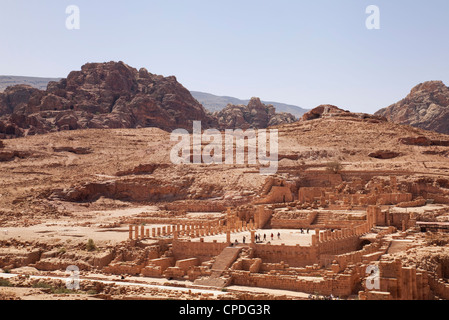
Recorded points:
(130, 232)
(142, 231)
(136, 232)
(228, 237)
(314, 240)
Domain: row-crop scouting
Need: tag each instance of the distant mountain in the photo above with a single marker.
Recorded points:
(426, 107)
(216, 103)
(38, 83)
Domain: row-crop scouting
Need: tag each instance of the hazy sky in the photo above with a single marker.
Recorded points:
(305, 53)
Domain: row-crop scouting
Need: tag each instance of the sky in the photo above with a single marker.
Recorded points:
(298, 52)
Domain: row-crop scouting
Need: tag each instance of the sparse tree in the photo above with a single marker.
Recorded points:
(334, 167)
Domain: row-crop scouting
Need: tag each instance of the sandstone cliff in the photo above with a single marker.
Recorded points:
(426, 107)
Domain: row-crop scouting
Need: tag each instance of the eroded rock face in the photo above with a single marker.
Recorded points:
(426, 107)
(255, 115)
(319, 111)
(101, 95)
(127, 189)
(330, 111)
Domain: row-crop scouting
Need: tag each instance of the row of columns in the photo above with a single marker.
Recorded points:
(137, 232)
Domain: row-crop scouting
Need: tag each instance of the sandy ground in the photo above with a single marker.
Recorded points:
(72, 229)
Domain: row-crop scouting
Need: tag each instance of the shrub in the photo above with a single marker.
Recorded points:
(90, 246)
(42, 285)
(334, 167)
(5, 283)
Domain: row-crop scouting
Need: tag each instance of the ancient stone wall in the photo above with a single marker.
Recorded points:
(295, 256)
(402, 283)
(303, 222)
(262, 216)
(204, 251)
(278, 194)
(341, 285)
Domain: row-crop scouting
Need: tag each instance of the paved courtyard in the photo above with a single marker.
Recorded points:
(289, 237)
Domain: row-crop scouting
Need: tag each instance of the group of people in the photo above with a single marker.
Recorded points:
(259, 237)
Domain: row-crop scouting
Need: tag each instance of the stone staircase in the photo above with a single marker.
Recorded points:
(321, 218)
(222, 263)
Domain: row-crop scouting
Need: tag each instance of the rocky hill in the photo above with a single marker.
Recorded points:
(254, 115)
(215, 103)
(209, 101)
(109, 95)
(426, 107)
(101, 95)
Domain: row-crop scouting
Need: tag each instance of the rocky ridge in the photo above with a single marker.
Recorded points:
(254, 115)
(112, 95)
(426, 107)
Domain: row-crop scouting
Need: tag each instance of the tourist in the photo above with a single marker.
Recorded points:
(244, 239)
(264, 237)
(279, 236)
(272, 237)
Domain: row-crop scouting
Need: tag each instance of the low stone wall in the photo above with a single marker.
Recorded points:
(279, 223)
(340, 285)
(204, 251)
(295, 256)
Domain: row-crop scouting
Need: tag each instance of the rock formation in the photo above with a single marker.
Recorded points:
(114, 95)
(330, 111)
(101, 95)
(426, 107)
(254, 115)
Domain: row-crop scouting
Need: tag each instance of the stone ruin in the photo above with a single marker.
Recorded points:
(348, 224)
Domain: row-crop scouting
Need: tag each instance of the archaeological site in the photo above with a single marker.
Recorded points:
(357, 210)
(118, 182)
